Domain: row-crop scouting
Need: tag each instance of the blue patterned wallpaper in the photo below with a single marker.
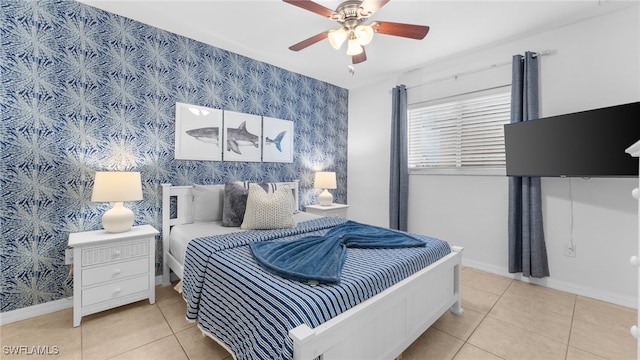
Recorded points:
(85, 90)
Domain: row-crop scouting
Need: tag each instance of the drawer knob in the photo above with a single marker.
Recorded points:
(634, 331)
(635, 193)
(635, 261)
(116, 291)
(117, 272)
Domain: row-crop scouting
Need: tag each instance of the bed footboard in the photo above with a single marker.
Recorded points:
(386, 324)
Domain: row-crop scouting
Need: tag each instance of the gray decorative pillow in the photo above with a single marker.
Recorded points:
(234, 204)
(207, 202)
(268, 211)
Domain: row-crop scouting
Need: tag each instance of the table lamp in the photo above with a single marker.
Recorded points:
(325, 180)
(117, 187)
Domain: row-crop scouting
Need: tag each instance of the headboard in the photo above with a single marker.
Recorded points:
(183, 210)
(184, 203)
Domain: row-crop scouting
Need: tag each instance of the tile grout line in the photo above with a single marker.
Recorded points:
(480, 323)
(173, 332)
(544, 336)
(573, 316)
(539, 334)
(487, 315)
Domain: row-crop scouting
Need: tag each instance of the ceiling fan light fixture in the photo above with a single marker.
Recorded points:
(337, 37)
(364, 34)
(352, 15)
(354, 47)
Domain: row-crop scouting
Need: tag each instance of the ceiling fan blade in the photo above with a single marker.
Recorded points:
(308, 42)
(417, 32)
(313, 7)
(357, 59)
(371, 6)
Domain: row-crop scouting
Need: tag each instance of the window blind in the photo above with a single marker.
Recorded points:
(461, 134)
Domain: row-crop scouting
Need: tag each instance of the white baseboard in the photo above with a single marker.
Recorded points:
(614, 298)
(36, 310)
(28, 312)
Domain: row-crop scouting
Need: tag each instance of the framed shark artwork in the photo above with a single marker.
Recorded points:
(197, 133)
(241, 137)
(277, 140)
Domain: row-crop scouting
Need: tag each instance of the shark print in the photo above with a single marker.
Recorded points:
(240, 137)
(207, 134)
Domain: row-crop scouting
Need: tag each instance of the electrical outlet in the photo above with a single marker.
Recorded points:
(68, 256)
(570, 250)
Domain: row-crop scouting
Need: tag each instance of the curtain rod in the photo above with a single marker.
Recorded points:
(459, 95)
(489, 67)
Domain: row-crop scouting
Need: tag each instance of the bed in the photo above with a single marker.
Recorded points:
(257, 314)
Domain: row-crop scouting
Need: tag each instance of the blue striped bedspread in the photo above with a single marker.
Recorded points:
(251, 311)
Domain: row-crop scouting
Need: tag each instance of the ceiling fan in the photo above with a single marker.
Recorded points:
(352, 16)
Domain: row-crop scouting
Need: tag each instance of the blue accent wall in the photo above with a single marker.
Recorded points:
(85, 90)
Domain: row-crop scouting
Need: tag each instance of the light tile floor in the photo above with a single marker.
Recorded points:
(502, 319)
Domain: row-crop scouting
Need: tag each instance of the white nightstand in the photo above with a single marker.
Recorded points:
(111, 270)
(337, 210)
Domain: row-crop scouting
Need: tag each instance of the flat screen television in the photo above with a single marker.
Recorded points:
(584, 144)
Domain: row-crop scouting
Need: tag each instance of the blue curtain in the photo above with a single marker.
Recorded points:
(527, 249)
(399, 178)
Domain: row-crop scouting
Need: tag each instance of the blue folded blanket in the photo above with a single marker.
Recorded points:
(320, 258)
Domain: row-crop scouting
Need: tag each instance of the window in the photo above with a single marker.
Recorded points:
(460, 136)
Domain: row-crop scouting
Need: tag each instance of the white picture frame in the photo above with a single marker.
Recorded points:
(277, 140)
(198, 133)
(242, 135)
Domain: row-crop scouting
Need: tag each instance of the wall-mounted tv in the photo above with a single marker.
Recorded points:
(584, 144)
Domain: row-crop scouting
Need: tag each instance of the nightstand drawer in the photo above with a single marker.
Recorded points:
(118, 251)
(114, 271)
(115, 290)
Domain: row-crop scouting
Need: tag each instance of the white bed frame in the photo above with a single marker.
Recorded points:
(381, 327)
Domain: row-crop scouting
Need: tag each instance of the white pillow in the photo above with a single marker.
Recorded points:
(268, 211)
(207, 202)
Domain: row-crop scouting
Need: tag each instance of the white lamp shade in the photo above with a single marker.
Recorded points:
(117, 187)
(337, 37)
(113, 186)
(364, 34)
(354, 47)
(325, 180)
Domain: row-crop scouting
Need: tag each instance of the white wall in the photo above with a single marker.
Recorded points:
(368, 161)
(595, 63)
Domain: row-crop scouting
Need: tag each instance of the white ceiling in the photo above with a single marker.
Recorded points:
(264, 29)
